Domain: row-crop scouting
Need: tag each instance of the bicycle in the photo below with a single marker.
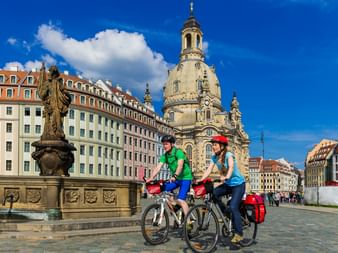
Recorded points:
(155, 218)
(202, 235)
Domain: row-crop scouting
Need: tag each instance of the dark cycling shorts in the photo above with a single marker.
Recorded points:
(184, 188)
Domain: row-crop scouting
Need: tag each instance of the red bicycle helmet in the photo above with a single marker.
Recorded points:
(220, 139)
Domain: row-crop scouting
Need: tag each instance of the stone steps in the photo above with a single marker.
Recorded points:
(67, 234)
(59, 229)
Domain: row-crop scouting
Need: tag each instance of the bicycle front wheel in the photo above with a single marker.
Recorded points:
(154, 226)
(249, 230)
(201, 229)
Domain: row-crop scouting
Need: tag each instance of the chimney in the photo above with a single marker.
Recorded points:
(13, 68)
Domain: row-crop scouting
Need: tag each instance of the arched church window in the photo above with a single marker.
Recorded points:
(209, 132)
(208, 115)
(188, 40)
(199, 86)
(198, 41)
(208, 154)
(171, 116)
(188, 150)
(176, 86)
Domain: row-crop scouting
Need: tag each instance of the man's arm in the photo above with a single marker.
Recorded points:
(155, 171)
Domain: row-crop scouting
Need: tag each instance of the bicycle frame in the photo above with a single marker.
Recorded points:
(163, 200)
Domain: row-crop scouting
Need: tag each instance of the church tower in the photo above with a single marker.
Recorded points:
(192, 104)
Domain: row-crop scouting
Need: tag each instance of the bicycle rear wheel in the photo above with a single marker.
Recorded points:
(155, 228)
(201, 229)
(249, 230)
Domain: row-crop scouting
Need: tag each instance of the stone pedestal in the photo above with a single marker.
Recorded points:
(50, 198)
(54, 157)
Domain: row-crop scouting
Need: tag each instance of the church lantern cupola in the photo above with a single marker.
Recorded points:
(191, 38)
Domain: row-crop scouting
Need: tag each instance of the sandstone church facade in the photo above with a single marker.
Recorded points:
(192, 104)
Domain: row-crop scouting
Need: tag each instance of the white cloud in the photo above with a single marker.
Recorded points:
(28, 66)
(205, 46)
(49, 60)
(12, 41)
(122, 57)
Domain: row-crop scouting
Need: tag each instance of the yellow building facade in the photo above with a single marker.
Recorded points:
(192, 104)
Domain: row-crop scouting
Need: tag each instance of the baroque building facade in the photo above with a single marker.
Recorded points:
(192, 104)
(116, 135)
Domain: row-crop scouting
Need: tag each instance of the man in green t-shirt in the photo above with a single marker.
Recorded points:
(179, 168)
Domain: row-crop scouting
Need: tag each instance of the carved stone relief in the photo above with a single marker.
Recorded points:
(90, 196)
(109, 197)
(14, 192)
(33, 195)
(72, 196)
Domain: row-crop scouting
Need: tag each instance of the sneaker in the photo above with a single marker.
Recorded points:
(237, 238)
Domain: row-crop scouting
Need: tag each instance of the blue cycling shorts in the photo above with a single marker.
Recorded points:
(184, 188)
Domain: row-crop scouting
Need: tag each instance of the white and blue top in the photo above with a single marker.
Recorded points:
(236, 177)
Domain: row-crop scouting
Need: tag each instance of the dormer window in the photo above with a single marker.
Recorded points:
(82, 99)
(30, 80)
(69, 83)
(13, 79)
(79, 85)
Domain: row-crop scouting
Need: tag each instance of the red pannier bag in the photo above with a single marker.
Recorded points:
(154, 187)
(255, 208)
(200, 188)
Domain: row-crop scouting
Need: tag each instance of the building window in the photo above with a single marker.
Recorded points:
(71, 130)
(106, 169)
(82, 168)
(8, 165)
(188, 40)
(91, 150)
(91, 134)
(69, 83)
(99, 169)
(38, 112)
(99, 152)
(37, 129)
(117, 171)
(112, 170)
(82, 149)
(2, 79)
(82, 132)
(27, 129)
(91, 118)
(9, 93)
(27, 111)
(71, 114)
(91, 169)
(30, 80)
(83, 100)
(91, 101)
(171, 116)
(26, 166)
(99, 135)
(8, 146)
(27, 146)
(209, 132)
(82, 116)
(27, 93)
(13, 79)
(9, 110)
(208, 115)
(100, 120)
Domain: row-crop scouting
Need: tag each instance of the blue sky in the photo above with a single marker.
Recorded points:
(280, 56)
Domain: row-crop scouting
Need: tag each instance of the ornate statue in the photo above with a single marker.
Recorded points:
(56, 101)
(53, 153)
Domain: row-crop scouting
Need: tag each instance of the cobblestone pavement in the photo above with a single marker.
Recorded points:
(285, 230)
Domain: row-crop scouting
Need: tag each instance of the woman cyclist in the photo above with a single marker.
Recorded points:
(232, 182)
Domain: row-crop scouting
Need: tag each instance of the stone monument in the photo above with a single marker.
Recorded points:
(53, 152)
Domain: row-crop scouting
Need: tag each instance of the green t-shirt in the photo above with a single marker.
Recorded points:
(173, 157)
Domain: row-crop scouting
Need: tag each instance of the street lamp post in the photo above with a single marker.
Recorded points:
(262, 141)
